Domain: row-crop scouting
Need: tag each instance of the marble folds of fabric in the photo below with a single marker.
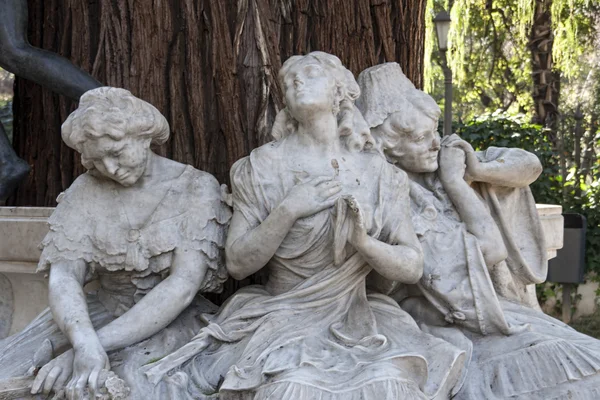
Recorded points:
(192, 215)
(17, 351)
(548, 359)
(516, 351)
(325, 335)
(516, 215)
(390, 389)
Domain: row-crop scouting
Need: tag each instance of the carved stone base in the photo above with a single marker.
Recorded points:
(23, 293)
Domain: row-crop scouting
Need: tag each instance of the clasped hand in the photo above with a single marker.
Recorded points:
(84, 364)
(358, 234)
(457, 160)
(320, 193)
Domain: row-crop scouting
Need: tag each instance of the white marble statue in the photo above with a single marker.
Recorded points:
(320, 211)
(150, 230)
(475, 219)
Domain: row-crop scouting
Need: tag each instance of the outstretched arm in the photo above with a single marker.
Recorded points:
(68, 302)
(69, 309)
(151, 314)
(161, 305)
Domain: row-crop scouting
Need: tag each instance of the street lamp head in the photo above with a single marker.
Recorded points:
(442, 27)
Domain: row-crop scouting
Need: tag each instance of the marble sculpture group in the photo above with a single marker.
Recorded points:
(400, 264)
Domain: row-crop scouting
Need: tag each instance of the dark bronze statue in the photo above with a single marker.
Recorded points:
(40, 66)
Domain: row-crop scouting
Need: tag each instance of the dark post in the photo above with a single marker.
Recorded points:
(442, 26)
(447, 95)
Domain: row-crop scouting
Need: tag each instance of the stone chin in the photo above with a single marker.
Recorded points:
(431, 166)
(127, 181)
(422, 168)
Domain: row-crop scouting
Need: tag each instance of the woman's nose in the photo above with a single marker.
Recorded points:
(435, 144)
(110, 165)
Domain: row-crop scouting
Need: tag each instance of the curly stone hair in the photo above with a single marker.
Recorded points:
(116, 113)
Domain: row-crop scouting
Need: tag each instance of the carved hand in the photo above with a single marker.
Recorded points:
(474, 166)
(54, 375)
(309, 198)
(359, 234)
(89, 360)
(451, 161)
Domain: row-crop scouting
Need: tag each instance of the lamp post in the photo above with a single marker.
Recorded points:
(442, 26)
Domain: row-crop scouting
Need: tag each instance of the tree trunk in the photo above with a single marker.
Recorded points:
(546, 80)
(210, 66)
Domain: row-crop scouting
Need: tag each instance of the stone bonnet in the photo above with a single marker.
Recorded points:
(386, 90)
(116, 113)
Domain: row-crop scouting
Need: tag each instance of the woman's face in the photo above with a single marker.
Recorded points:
(418, 150)
(124, 161)
(309, 88)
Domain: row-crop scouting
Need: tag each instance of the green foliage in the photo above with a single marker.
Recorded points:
(490, 58)
(577, 193)
(573, 27)
(6, 117)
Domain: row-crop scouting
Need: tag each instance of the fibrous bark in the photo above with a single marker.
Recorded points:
(546, 80)
(210, 66)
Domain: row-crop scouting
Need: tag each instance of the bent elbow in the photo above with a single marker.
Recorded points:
(239, 264)
(415, 273)
(417, 270)
(234, 268)
(536, 168)
(236, 272)
(13, 54)
(530, 170)
(411, 270)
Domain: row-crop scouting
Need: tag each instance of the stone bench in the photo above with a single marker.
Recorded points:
(24, 294)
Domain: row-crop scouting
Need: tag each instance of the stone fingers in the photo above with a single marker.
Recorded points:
(51, 379)
(40, 379)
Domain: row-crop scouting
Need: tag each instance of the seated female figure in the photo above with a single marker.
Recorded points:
(149, 229)
(476, 221)
(321, 212)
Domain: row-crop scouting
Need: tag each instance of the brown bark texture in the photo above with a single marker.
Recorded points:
(546, 80)
(210, 66)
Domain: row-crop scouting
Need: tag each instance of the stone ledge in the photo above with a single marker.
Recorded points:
(22, 229)
(552, 224)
